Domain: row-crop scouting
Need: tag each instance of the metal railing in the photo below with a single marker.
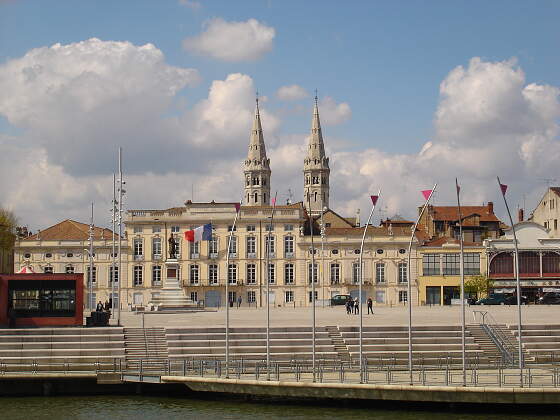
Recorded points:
(503, 341)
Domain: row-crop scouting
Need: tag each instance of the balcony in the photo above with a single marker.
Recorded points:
(233, 254)
(156, 257)
(251, 255)
(289, 255)
(195, 256)
(213, 255)
(272, 255)
(139, 258)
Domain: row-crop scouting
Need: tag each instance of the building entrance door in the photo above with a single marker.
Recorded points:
(433, 295)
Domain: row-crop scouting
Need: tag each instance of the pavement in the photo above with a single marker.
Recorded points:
(423, 315)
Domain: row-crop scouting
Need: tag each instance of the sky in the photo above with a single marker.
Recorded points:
(410, 93)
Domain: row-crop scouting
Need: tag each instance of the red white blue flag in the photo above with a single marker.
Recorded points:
(201, 233)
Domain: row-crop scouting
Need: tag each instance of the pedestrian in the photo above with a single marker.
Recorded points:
(239, 300)
(106, 306)
(99, 307)
(370, 305)
(356, 306)
(349, 305)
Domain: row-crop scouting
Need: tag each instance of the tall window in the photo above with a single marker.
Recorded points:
(251, 246)
(174, 229)
(271, 274)
(232, 246)
(195, 247)
(472, 263)
(232, 274)
(451, 264)
(213, 273)
(269, 245)
(289, 273)
(289, 296)
(289, 246)
(194, 274)
(156, 229)
(213, 247)
(313, 272)
(403, 273)
(430, 265)
(403, 296)
(251, 228)
(138, 275)
(156, 247)
(138, 247)
(156, 275)
(93, 278)
(114, 274)
(138, 229)
(251, 296)
(316, 296)
(251, 273)
(356, 272)
(335, 273)
(380, 272)
(194, 296)
(48, 270)
(69, 269)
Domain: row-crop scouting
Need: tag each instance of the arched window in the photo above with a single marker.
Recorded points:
(264, 197)
(256, 196)
(315, 196)
(502, 264)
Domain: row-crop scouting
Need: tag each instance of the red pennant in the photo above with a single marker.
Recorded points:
(237, 207)
(426, 193)
(374, 199)
(273, 201)
(503, 187)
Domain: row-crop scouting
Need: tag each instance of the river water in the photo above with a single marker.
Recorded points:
(151, 408)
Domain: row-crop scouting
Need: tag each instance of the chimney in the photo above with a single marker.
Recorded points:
(490, 207)
(520, 215)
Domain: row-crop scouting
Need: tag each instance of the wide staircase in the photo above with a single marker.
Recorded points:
(431, 345)
(338, 343)
(541, 342)
(286, 343)
(61, 349)
(485, 343)
(145, 349)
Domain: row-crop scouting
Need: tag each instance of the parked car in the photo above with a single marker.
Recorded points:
(339, 299)
(550, 298)
(512, 300)
(493, 299)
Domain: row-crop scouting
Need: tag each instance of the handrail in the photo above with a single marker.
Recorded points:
(501, 340)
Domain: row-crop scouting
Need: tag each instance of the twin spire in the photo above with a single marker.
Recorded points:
(316, 167)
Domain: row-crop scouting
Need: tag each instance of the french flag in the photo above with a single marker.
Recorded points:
(201, 233)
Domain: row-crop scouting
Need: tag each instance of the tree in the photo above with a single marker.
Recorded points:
(478, 285)
(8, 223)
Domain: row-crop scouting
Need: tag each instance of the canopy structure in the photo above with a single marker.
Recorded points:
(25, 270)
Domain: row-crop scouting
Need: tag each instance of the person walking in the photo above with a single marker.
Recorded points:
(370, 305)
(99, 307)
(239, 300)
(356, 306)
(349, 306)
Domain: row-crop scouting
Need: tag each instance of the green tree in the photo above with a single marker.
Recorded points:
(8, 223)
(478, 285)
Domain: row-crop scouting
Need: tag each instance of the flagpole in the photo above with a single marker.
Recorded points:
(312, 279)
(91, 303)
(237, 211)
(113, 215)
(374, 199)
(121, 193)
(462, 274)
(267, 271)
(503, 189)
(408, 278)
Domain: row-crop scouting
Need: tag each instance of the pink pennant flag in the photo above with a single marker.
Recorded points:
(503, 187)
(237, 207)
(426, 193)
(374, 199)
(273, 201)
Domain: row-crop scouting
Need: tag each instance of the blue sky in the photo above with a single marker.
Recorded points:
(385, 59)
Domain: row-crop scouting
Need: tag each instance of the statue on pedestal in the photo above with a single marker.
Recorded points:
(172, 247)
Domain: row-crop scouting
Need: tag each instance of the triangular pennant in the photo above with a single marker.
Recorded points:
(273, 201)
(374, 199)
(503, 187)
(237, 207)
(427, 193)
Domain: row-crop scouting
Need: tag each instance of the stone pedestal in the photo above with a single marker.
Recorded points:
(172, 294)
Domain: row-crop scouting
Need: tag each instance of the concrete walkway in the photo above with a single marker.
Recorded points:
(437, 315)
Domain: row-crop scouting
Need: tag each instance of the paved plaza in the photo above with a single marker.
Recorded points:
(425, 315)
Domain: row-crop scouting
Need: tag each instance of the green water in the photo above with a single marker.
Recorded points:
(142, 407)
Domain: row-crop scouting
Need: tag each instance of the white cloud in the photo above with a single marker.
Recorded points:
(333, 113)
(72, 105)
(232, 41)
(291, 93)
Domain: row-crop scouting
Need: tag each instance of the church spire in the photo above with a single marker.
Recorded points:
(316, 167)
(257, 165)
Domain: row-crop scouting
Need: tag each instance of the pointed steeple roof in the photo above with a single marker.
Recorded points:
(257, 148)
(316, 147)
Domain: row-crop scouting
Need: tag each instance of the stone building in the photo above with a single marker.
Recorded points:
(63, 248)
(547, 213)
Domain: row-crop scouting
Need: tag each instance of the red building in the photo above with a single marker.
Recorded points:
(41, 299)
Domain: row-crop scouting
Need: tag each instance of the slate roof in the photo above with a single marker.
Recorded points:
(70, 230)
